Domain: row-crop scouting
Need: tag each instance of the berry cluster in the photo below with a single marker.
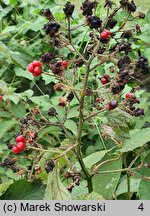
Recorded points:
(49, 165)
(20, 144)
(105, 79)
(87, 7)
(75, 177)
(59, 67)
(68, 9)
(111, 105)
(94, 22)
(111, 23)
(51, 28)
(129, 6)
(35, 68)
(47, 57)
(1, 97)
(10, 163)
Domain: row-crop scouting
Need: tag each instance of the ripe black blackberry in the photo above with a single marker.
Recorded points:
(125, 46)
(138, 112)
(124, 4)
(51, 28)
(47, 57)
(132, 6)
(94, 22)
(49, 165)
(117, 88)
(48, 14)
(123, 62)
(142, 65)
(87, 7)
(68, 9)
(126, 34)
(111, 23)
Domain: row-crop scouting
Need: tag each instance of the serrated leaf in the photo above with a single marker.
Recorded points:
(4, 187)
(55, 190)
(24, 190)
(12, 97)
(23, 73)
(137, 139)
(92, 159)
(6, 126)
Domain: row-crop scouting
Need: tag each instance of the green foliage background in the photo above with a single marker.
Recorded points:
(21, 41)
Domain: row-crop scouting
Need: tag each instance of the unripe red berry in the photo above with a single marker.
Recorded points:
(108, 32)
(20, 146)
(37, 70)
(1, 97)
(15, 150)
(106, 76)
(30, 68)
(65, 64)
(98, 100)
(20, 138)
(104, 35)
(103, 80)
(37, 63)
(129, 95)
(35, 74)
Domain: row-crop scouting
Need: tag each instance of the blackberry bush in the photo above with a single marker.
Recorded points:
(81, 132)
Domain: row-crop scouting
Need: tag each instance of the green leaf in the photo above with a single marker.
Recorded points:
(23, 73)
(71, 125)
(137, 139)
(43, 101)
(105, 184)
(91, 196)
(12, 97)
(24, 190)
(19, 110)
(144, 189)
(4, 187)
(6, 126)
(123, 187)
(92, 159)
(55, 190)
(48, 79)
